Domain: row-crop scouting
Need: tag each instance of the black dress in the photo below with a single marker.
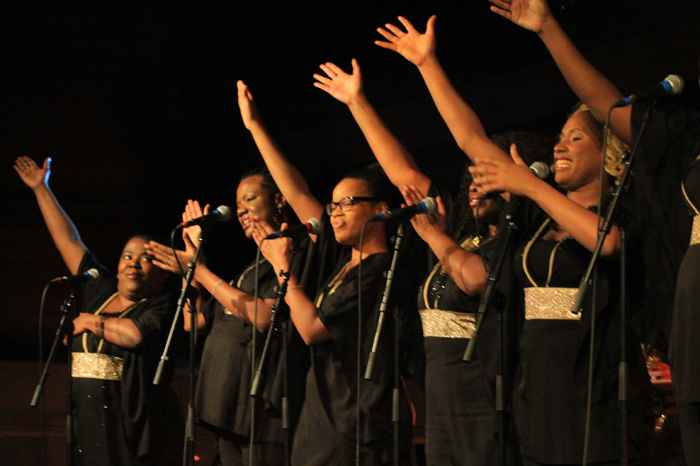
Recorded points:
(461, 421)
(667, 181)
(223, 401)
(327, 427)
(121, 417)
(550, 392)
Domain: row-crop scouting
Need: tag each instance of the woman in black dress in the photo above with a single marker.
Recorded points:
(461, 420)
(328, 321)
(120, 416)
(223, 401)
(666, 179)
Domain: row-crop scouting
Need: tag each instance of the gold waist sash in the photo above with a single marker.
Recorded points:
(97, 366)
(447, 324)
(695, 234)
(550, 303)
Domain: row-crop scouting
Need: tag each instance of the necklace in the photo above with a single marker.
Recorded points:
(434, 285)
(333, 284)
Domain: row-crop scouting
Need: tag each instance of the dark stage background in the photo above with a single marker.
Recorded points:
(136, 104)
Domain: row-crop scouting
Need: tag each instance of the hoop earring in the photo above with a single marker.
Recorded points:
(280, 217)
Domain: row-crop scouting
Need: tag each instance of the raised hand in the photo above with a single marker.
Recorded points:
(341, 85)
(276, 251)
(164, 257)
(246, 104)
(191, 234)
(31, 174)
(528, 14)
(425, 225)
(496, 174)
(411, 44)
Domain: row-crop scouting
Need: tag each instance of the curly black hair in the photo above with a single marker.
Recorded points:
(532, 146)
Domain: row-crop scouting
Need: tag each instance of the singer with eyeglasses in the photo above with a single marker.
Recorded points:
(119, 416)
(461, 422)
(344, 416)
(228, 317)
(666, 176)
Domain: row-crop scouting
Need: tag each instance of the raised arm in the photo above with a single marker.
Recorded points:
(461, 120)
(236, 301)
(63, 232)
(570, 211)
(290, 181)
(397, 163)
(594, 89)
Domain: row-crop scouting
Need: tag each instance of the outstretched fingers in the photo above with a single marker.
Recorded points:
(501, 7)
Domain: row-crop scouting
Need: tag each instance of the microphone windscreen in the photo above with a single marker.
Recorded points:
(225, 213)
(540, 169)
(314, 226)
(430, 205)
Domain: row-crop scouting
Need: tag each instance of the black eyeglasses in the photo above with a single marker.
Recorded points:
(347, 202)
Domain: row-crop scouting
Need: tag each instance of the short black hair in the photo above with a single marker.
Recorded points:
(377, 183)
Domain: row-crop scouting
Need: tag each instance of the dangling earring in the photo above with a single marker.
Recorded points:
(280, 217)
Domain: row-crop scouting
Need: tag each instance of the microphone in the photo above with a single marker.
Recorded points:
(91, 274)
(671, 85)
(426, 206)
(222, 213)
(540, 169)
(311, 227)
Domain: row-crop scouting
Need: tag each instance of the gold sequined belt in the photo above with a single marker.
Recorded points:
(695, 234)
(97, 366)
(550, 303)
(447, 324)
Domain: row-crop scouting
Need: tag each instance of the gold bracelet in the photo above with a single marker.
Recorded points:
(216, 286)
(294, 287)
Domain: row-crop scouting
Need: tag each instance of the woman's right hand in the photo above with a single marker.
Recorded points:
(31, 174)
(412, 45)
(342, 86)
(246, 104)
(528, 14)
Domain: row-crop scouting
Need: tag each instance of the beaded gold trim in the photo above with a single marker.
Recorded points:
(695, 233)
(447, 324)
(97, 366)
(550, 303)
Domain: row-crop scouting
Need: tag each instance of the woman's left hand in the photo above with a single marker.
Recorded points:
(164, 257)
(277, 251)
(425, 225)
(512, 176)
(85, 321)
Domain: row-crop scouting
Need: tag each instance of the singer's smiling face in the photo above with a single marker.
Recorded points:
(137, 276)
(347, 225)
(253, 199)
(577, 155)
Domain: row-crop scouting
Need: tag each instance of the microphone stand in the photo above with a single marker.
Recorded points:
(395, 414)
(485, 304)
(604, 230)
(65, 327)
(283, 327)
(188, 458)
